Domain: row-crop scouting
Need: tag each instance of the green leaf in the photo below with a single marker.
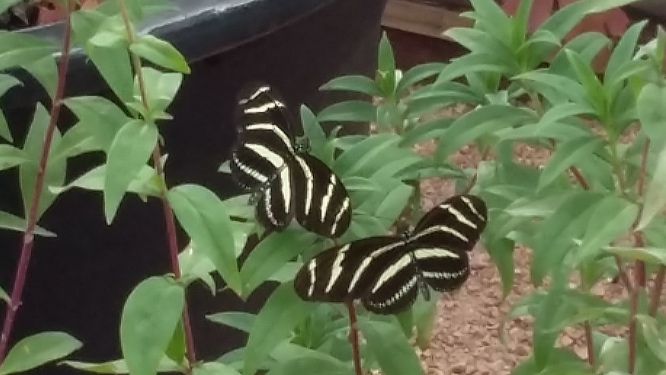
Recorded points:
(310, 365)
(355, 158)
(160, 89)
(652, 112)
(100, 116)
(655, 196)
(6, 4)
(355, 83)
(206, 220)
(595, 93)
(194, 265)
(471, 63)
(11, 222)
(4, 296)
(480, 41)
(493, 19)
(19, 49)
(386, 77)
(417, 74)
(282, 312)
(567, 154)
(10, 157)
(477, 123)
(655, 336)
(144, 184)
(235, 319)
(623, 53)
(32, 150)
(6, 83)
(312, 129)
(45, 71)
(119, 366)
(501, 252)
(650, 255)
(108, 51)
(351, 110)
(128, 154)
(619, 215)
(149, 318)
(556, 234)
(159, 52)
(214, 368)
(36, 350)
(391, 347)
(270, 255)
(546, 314)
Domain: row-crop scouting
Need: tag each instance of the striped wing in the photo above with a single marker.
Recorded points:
(274, 207)
(345, 273)
(455, 224)
(262, 146)
(441, 268)
(322, 203)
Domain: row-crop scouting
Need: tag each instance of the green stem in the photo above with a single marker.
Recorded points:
(29, 235)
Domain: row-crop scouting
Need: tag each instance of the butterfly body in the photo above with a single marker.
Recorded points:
(386, 272)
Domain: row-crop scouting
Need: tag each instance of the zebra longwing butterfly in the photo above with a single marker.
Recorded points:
(286, 181)
(386, 272)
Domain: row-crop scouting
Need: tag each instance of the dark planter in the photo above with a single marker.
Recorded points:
(78, 281)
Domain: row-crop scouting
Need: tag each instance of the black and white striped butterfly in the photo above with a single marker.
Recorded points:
(286, 181)
(386, 272)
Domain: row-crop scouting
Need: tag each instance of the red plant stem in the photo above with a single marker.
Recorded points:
(353, 338)
(168, 213)
(632, 330)
(29, 235)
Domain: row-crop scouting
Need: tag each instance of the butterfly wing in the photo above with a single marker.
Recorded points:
(264, 143)
(455, 224)
(345, 273)
(395, 287)
(441, 268)
(274, 208)
(322, 203)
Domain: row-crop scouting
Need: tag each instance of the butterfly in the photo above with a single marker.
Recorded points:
(386, 272)
(285, 180)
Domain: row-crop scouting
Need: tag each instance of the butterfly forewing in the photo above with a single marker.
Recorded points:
(322, 203)
(262, 146)
(344, 273)
(456, 223)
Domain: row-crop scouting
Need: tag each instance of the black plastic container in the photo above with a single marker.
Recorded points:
(78, 281)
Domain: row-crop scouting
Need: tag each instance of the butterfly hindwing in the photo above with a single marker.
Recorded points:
(322, 203)
(441, 268)
(274, 207)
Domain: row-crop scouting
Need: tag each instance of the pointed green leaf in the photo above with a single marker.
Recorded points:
(32, 150)
(160, 53)
(45, 71)
(477, 123)
(160, 87)
(417, 74)
(108, 51)
(567, 154)
(355, 83)
(101, 116)
(145, 183)
(119, 366)
(283, 311)
(386, 77)
(310, 365)
(652, 112)
(655, 196)
(650, 255)
(10, 157)
(619, 216)
(312, 129)
(149, 318)
(595, 93)
(6, 83)
(206, 220)
(351, 110)
(623, 52)
(270, 255)
(214, 368)
(128, 154)
(471, 63)
(19, 49)
(235, 319)
(11, 222)
(36, 350)
(391, 347)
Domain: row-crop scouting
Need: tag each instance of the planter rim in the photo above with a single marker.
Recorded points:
(201, 28)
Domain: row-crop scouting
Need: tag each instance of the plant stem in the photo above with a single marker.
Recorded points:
(632, 330)
(589, 343)
(29, 235)
(168, 213)
(353, 338)
(655, 294)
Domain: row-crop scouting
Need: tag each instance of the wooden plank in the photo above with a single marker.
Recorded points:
(421, 19)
